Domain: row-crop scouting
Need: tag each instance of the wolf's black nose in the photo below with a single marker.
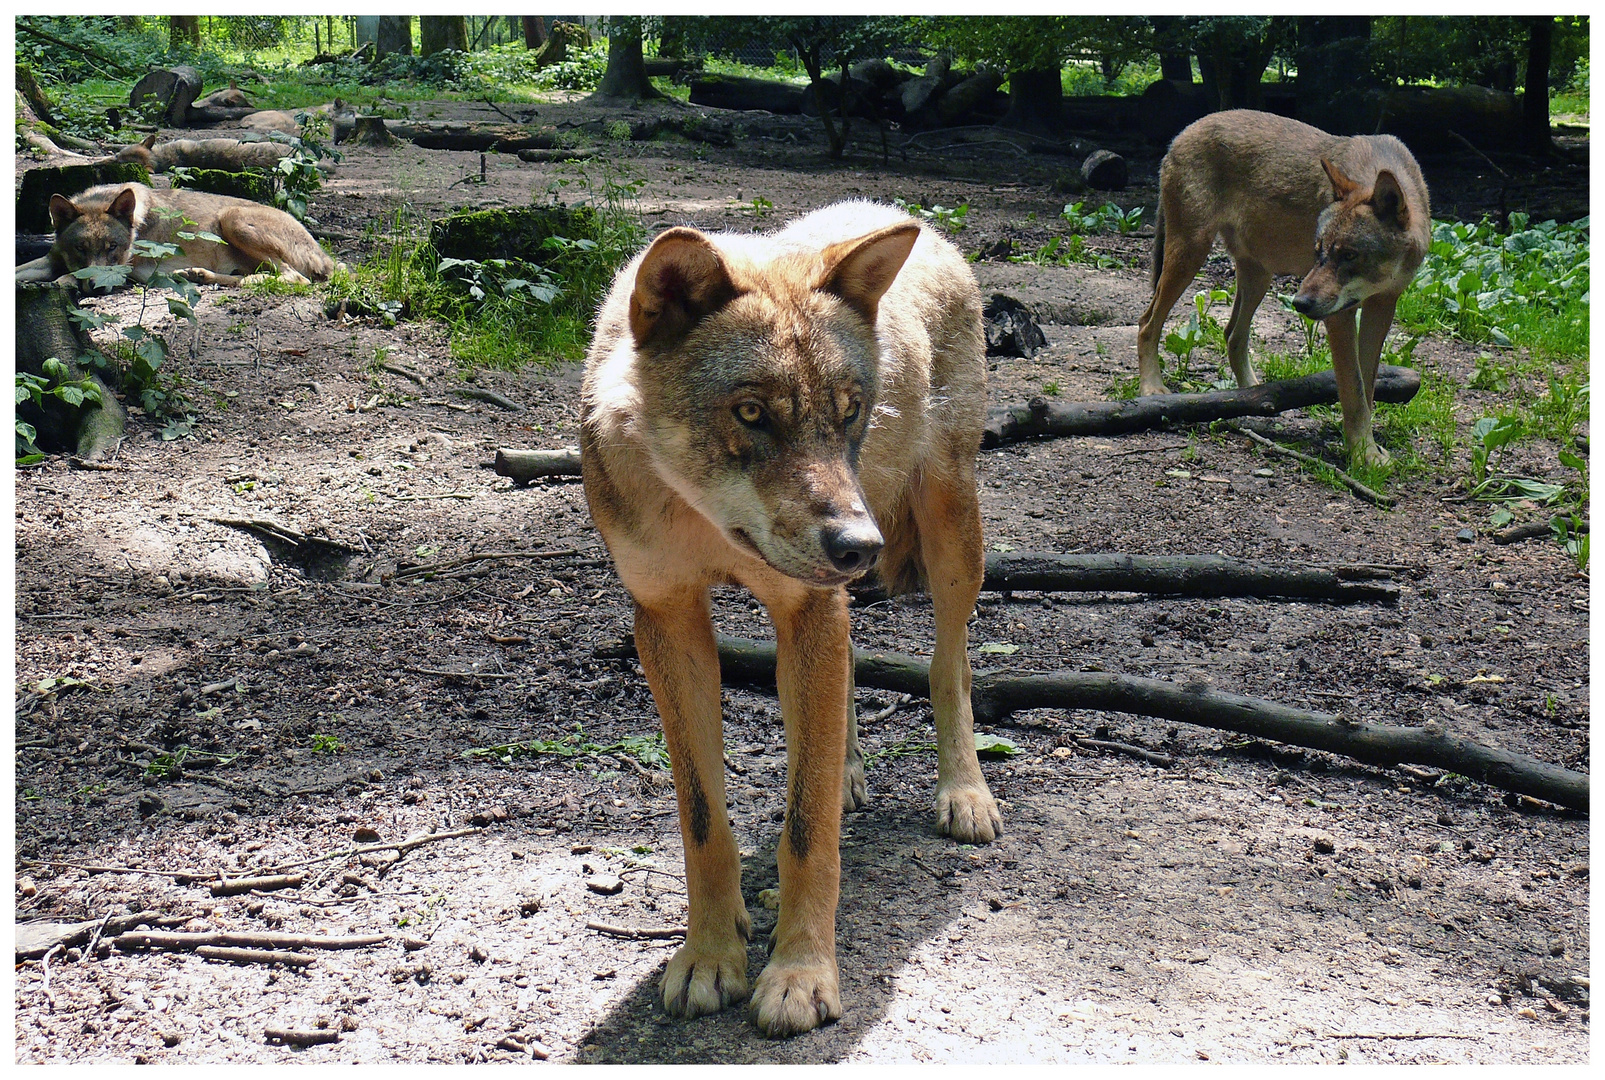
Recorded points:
(852, 548)
(1304, 305)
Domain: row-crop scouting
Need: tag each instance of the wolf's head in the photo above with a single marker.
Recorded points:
(1363, 245)
(757, 382)
(139, 153)
(91, 232)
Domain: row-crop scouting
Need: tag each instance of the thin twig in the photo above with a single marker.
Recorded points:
(495, 106)
(400, 847)
(465, 674)
(1350, 482)
(44, 975)
(1162, 760)
(300, 1038)
(899, 702)
(483, 556)
(185, 942)
(1398, 1035)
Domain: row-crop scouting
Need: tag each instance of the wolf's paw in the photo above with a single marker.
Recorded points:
(1148, 389)
(697, 983)
(855, 789)
(968, 814)
(1371, 455)
(789, 999)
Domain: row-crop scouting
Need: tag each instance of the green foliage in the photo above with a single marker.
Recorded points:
(502, 312)
(951, 219)
(1107, 218)
(135, 365)
(299, 173)
(55, 383)
(1528, 288)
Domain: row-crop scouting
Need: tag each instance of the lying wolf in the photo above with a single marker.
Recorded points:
(787, 412)
(230, 155)
(1349, 214)
(98, 227)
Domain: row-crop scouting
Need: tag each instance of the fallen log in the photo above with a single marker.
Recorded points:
(450, 135)
(995, 697)
(1040, 419)
(740, 92)
(1180, 575)
(525, 466)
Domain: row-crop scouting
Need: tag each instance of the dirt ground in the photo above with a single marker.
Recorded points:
(1249, 903)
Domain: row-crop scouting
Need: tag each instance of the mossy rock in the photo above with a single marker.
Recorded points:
(514, 233)
(249, 184)
(33, 198)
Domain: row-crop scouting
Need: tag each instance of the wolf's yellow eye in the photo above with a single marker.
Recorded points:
(750, 413)
(851, 415)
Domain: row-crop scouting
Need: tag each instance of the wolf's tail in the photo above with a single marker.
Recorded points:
(1159, 247)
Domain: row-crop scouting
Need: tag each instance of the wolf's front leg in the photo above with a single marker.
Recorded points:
(799, 989)
(675, 639)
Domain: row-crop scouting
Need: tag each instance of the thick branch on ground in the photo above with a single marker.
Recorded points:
(525, 466)
(995, 697)
(1042, 419)
(1181, 575)
(443, 135)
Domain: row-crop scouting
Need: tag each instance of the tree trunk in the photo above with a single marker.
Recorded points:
(534, 30)
(45, 329)
(183, 31)
(1535, 101)
(395, 35)
(1175, 60)
(437, 33)
(625, 78)
(1035, 101)
(174, 88)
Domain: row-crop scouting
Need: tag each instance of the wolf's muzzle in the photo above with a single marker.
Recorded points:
(853, 545)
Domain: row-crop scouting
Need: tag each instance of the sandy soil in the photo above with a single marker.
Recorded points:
(1250, 903)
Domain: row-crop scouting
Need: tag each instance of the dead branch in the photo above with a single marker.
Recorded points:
(254, 956)
(527, 465)
(1532, 530)
(995, 697)
(400, 847)
(441, 673)
(1164, 761)
(187, 942)
(1042, 419)
(1180, 575)
(236, 886)
(1348, 481)
(300, 1038)
(88, 933)
(636, 933)
(491, 397)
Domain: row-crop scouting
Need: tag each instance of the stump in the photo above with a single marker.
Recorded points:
(45, 329)
(174, 89)
(371, 131)
(1104, 170)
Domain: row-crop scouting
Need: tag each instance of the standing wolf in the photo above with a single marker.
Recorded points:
(98, 227)
(1350, 214)
(781, 412)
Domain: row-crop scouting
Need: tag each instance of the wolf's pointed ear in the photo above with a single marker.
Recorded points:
(1387, 200)
(860, 271)
(149, 141)
(122, 207)
(681, 281)
(62, 212)
(1342, 186)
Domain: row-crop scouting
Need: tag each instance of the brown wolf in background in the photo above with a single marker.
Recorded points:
(1350, 214)
(781, 412)
(98, 227)
(231, 155)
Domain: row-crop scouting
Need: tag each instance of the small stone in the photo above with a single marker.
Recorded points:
(171, 1038)
(478, 954)
(1324, 845)
(1466, 536)
(1495, 999)
(605, 884)
(1557, 947)
(412, 944)
(529, 905)
(366, 835)
(1527, 1013)
(26, 886)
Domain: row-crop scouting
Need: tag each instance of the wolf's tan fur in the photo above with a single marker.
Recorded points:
(231, 155)
(1351, 214)
(97, 227)
(769, 410)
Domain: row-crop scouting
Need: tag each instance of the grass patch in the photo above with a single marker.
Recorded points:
(503, 312)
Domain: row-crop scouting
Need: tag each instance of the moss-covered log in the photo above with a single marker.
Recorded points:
(250, 184)
(518, 232)
(44, 330)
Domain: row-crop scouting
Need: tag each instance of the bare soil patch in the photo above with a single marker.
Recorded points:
(1252, 903)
